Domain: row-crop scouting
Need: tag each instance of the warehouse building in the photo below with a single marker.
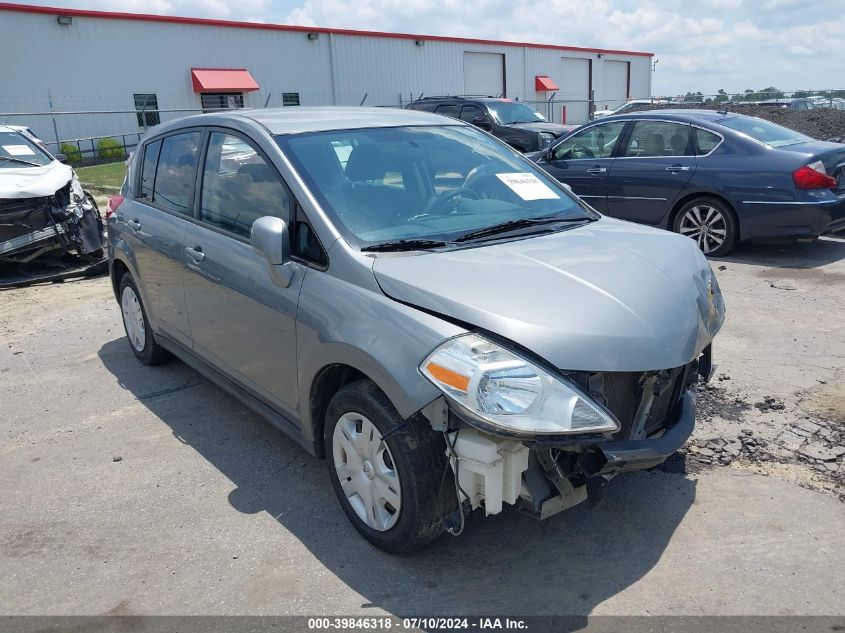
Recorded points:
(150, 68)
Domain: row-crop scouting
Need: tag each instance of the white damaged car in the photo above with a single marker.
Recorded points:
(43, 208)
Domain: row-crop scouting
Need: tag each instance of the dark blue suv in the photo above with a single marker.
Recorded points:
(717, 177)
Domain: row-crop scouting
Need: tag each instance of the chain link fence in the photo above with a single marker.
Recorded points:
(92, 137)
(99, 136)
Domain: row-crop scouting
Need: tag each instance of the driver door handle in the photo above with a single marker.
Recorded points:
(676, 168)
(597, 170)
(195, 253)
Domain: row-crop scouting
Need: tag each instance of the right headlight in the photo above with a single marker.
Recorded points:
(506, 391)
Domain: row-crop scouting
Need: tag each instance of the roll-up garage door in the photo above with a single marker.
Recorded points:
(615, 87)
(484, 74)
(574, 90)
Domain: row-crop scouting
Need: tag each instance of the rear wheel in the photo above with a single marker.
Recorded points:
(137, 326)
(710, 223)
(389, 488)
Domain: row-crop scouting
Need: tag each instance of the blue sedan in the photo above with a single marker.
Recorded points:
(718, 177)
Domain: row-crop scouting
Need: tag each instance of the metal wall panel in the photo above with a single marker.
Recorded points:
(98, 64)
(614, 85)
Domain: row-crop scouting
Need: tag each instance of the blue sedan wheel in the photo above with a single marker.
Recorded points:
(709, 223)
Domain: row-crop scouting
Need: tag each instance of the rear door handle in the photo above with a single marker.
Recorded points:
(597, 170)
(195, 253)
(676, 168)
(134, 225)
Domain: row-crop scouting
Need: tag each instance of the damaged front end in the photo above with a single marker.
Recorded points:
(543, 472)
(66, 221)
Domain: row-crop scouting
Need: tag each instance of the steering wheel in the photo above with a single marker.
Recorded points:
(581, 151)
(433, 207)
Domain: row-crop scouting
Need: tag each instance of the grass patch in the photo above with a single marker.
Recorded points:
(109, 175)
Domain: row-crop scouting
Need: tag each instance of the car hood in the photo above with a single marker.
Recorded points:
(540, 126)
(608, 296)
(33, 182)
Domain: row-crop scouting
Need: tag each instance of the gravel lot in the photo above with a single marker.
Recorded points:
(819, 123)
(137, 490)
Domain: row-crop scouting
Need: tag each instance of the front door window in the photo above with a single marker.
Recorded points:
(594, 142)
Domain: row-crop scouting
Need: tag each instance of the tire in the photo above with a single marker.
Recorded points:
(411, 462)
(722, 230)
(139, 334)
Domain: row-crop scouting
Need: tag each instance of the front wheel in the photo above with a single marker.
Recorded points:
(389, 488)
(710, 223)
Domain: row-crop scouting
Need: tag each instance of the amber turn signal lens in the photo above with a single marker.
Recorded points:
(448, 377)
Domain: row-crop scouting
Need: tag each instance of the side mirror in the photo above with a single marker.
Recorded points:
(548, 154)
(482, 122)
(61, 158)
(270, 239)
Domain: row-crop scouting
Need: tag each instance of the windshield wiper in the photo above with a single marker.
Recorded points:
(519, 223)
(20, 160)
(405, 245)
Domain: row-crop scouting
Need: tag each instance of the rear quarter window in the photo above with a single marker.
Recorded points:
(705, 141)
(148, 170)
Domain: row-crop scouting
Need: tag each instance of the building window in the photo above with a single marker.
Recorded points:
(221, 100)
(146, 106)
(290, 98)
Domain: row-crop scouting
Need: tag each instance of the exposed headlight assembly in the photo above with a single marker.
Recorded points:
(504, 390)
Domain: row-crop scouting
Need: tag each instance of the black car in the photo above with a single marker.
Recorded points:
(517, 124)
(717, 177)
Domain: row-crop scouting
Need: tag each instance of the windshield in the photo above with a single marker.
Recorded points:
(507, 112)
(765, 132)
(423, 183)
(17, 151)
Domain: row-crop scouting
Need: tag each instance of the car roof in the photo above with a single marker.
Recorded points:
(295, 120)
(680, 114)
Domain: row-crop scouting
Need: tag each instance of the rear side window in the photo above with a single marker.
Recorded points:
(238, 186)
(148, 170)
(448, 110)
(470, 113)
(659, 138)
(426, 107)
(175, 174)
(705, 141)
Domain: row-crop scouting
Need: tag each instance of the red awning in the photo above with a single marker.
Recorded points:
(222, 80)
(542, 83)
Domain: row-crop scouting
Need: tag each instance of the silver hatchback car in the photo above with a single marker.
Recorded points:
(408, 297)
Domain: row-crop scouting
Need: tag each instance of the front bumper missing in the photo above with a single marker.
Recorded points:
(625, 455)
(560, 477)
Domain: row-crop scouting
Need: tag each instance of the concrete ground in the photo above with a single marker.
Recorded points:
(145, 490)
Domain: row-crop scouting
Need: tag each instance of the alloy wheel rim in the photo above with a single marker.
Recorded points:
(706, 225)
(133, 319)
(366, 472)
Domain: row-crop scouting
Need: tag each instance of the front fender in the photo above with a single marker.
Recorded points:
(344, 324)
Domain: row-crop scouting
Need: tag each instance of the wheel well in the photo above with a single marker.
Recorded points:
(327, 383)
(118, 269)
(692, 196)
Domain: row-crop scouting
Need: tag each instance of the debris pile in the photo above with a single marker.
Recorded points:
(719, 450)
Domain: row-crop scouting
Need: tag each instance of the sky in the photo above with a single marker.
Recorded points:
(700, 45)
